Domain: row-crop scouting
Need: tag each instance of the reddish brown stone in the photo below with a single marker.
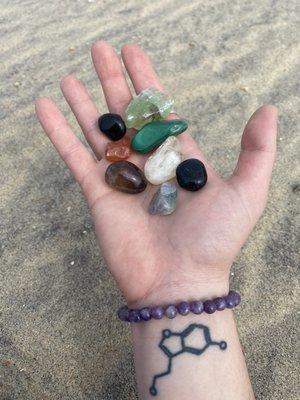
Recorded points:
(119, 150)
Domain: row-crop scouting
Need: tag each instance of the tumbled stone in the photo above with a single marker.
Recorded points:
(119, 150)
(191, 174)
(154, 134)
(125, 177)
(150, 105)
(161, 166)
(112, 125)
(164, 200)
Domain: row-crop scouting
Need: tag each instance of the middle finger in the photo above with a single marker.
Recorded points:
(109, 69)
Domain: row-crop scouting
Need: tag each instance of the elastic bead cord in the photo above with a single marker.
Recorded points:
(197, 307)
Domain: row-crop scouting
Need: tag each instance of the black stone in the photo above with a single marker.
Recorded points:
(112, 125)
(191, 174)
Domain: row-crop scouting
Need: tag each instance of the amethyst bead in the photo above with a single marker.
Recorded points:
(134, 316)
(220, 303)
(232, 299)
(171, 311)
(209, 306)
(236, 296)
(157, 312)
(196, 307)
(123, 313)
(183, 308)
(145, 314)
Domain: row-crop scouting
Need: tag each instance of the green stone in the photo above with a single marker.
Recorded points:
(154, 134)
(150, 105)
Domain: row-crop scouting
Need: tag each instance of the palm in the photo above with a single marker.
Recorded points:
(201, 239)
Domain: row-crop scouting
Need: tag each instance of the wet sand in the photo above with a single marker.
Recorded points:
(221, 60)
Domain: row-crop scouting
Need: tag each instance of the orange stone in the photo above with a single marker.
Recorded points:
(119, 150)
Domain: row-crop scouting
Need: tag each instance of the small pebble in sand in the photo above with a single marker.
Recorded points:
(6, 363)
(244, 88)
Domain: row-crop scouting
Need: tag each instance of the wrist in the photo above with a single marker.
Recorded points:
(154, 327)
(176, 291)
(151, 359)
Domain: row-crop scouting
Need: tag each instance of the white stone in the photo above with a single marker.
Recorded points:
(161, 166)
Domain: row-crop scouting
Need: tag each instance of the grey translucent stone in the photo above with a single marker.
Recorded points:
(164, 200)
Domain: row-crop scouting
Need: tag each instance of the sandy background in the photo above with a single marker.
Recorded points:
(221, 59)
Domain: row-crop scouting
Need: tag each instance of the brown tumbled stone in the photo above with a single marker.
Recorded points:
(119, 150)
(125, 177)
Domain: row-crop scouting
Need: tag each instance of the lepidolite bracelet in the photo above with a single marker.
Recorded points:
(232, 300)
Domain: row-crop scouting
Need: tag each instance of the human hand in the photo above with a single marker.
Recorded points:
(161, 257)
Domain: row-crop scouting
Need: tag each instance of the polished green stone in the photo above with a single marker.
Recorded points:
(154, 134)
(150, 105)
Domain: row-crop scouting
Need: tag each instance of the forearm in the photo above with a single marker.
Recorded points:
(209, 371)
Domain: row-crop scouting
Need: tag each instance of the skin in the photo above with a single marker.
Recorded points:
(154, 257)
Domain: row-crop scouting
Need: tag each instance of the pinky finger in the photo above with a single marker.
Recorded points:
(69, 147)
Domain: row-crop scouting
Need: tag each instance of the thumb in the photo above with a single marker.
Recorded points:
(258, 149)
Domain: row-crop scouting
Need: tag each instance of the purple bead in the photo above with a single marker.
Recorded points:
(230, 302)
(183, 308)
(237, 297)
(145, 314)
(157, 312)
(220, 303)
(123, 313)
(134, 316)
(210, 306)
(171, 311)
(196, 307)
(232, 299)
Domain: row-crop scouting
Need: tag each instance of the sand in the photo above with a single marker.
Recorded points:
(221, 59)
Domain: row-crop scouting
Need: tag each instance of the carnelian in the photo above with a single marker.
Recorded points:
(120, 150)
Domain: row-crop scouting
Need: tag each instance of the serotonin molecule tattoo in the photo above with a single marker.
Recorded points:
(183, 347)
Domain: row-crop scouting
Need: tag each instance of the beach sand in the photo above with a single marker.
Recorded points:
(59, 338)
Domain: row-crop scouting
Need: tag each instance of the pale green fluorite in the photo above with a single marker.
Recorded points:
(150, 105)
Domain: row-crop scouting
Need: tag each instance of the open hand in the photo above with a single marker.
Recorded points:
(161, 257)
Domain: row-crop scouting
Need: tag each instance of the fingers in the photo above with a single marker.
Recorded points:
(72, 151)
(85, 112)
(113, 81)
(139, 68)
(258, 150)
(143, 75)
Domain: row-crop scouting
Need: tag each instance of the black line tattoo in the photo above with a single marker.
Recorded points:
(167, 333)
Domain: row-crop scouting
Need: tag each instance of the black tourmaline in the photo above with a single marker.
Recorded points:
(191, 174)
(112, 125)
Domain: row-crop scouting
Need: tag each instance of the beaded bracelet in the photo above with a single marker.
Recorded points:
(232, 300)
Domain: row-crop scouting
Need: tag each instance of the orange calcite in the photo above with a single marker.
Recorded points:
(120, 150)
